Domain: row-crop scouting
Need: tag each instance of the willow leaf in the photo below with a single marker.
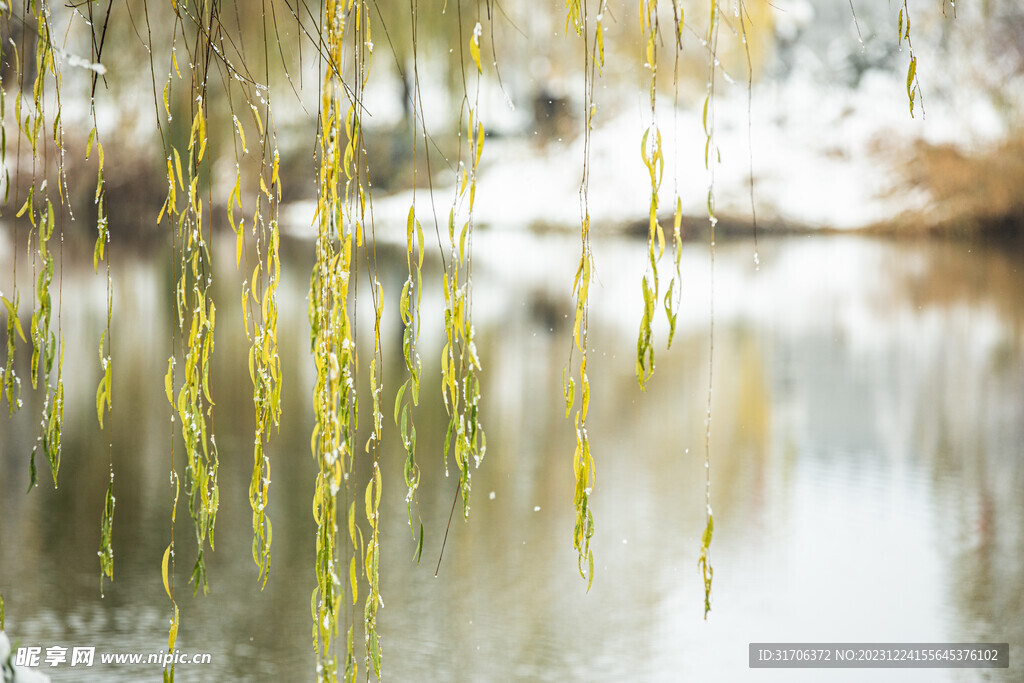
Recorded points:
(163, 573)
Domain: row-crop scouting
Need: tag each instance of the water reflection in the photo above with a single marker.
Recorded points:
(866, 450)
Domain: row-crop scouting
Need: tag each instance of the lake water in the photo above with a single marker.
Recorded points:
(867, 463)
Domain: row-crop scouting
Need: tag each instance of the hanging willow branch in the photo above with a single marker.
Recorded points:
(10, 383)
(259, 299)
(104, 391)
(583, 461)
(340, 199)
(196, 312)
(674, 292)
(460, 385)
(44, 340)
(654, 160)
(913, 86)
(409, 304)
(708, 119)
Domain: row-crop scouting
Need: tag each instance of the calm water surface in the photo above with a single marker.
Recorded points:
(867, 459)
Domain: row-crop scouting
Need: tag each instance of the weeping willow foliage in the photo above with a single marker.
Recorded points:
(11, 385)
(654, 160)
(460, 364)
(708, 122)
(38, 207)
(409, 302)
(259, 294)
(340, 216)
(260, 308)
(104, 391)
(196, 312)
(583, 461)
(203, 79)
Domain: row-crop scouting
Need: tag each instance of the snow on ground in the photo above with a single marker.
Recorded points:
(821, 158)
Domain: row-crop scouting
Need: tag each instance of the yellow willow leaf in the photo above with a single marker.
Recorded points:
(99, 402)
(105, 385)
(705, 538)
(259, 119)
(167, 106)
(369, 564)
(265, 307)
(275, 179)
(25, 206)
(347, 160)
(408, 228)
(88, 143)
(352, 578)
(177, 167)
(590, 569)
(168, 386)
(234, 199)
(911, 71)
(577, 456)
(163, 571)
(241, 134)
(479, 144)
(398, 400)
(368, 497)
(462, 242)
(193, 198)
(206, 374)
(352, 524)
(254, 280)
(174, 61)
(239, 241)
(163, 208)
(172, 635)
(245, 309)
(584, 389)
(420, 245)
(568, 391)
